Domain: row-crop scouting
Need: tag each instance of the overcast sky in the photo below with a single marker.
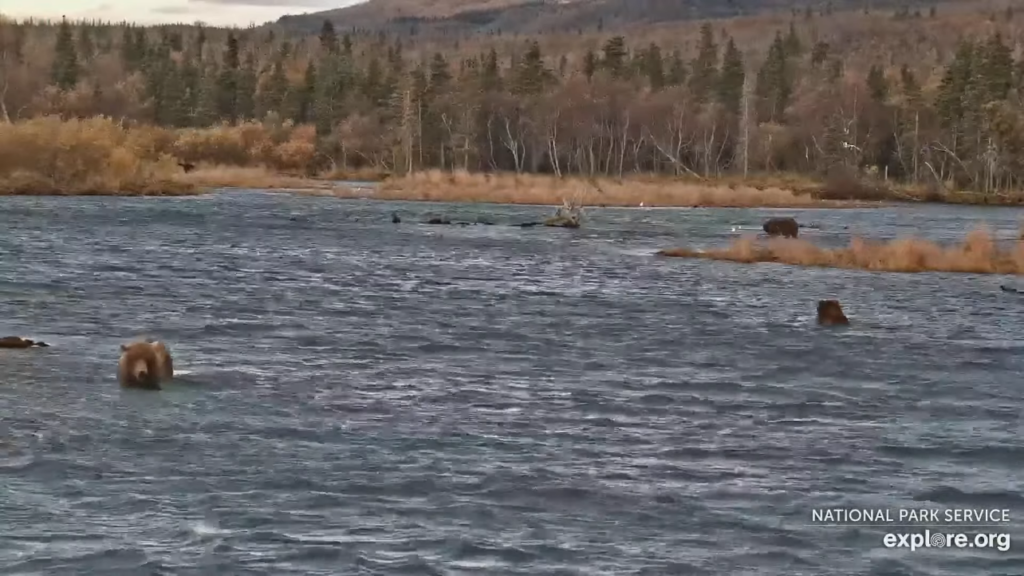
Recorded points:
(215, 12)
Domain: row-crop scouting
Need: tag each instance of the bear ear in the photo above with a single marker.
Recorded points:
(124, 347)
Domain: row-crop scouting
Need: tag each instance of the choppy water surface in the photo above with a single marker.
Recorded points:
(364, 398)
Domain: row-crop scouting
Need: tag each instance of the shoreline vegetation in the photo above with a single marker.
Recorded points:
(98, 156)
(978, 253)
(781, 109)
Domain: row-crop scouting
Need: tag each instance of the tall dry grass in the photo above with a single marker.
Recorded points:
(977, 253)
(440, 186)
(255, 177)
(91, 156)
(48, 155)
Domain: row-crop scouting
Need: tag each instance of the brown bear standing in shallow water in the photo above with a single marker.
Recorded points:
(831, 313)
(19, 342)
(785, 227)
(145, 364)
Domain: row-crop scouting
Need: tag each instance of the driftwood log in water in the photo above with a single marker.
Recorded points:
(569, 215)
(562, 222)
(443, 221)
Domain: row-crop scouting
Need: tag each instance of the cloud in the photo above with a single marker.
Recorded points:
(173, 10)
(271, 3)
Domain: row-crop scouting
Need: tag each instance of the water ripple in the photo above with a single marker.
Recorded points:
(362, 398)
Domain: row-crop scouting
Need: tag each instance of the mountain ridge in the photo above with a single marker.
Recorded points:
(473, 17)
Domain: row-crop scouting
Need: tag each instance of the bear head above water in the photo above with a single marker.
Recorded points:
(145, 365)
(831, 313)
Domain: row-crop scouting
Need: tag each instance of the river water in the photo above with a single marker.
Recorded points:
(361, 397)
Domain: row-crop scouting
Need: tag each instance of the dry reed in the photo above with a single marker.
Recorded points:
(459, 186)
(48, 155)
(91, 156)
(255, 177)
(977, 253)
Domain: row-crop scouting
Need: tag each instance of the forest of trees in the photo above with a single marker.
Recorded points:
(941, 111)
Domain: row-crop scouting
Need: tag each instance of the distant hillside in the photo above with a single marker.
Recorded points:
(468, 17)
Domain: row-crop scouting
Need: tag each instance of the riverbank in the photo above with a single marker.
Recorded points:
(778, 190)
(977, 253)
(98, 156)
(640, 190)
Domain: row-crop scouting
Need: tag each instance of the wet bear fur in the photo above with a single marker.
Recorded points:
(145, 365)
(830, 313)
(19, 342)
(785, 227)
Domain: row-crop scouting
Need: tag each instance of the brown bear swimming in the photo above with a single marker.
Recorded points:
(18, 342)
(144, 365)
(831, 313)
(786, 227)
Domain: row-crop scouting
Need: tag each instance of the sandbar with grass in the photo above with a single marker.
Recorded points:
(977, 253)
(503, 188)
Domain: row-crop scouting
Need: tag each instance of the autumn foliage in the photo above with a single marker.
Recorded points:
(48, 155)
(879, 104)
(94, 156)
(978, 253)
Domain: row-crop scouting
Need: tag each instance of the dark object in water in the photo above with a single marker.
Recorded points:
(830, 313)
(562, 222)
(395, 219)
(569, 215)
(528, 224)
(785, 227)
(18, 342)
(187, 166)
(1005, 288)
(440, 221)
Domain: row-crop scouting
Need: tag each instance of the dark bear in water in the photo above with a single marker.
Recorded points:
(830, 313)
(785, 227)
(18, 342)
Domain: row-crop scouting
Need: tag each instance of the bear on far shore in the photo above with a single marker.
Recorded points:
(145, 365)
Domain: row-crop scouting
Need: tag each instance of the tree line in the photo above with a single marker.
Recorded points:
(705, 110)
